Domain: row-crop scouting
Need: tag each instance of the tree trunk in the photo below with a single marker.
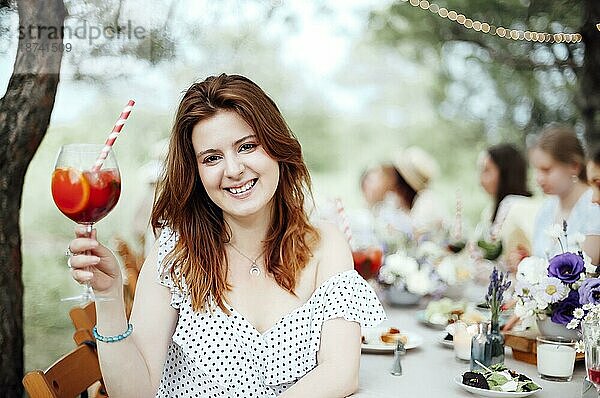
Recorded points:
(590, 78)
(24, 117)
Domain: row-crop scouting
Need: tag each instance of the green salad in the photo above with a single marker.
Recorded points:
(500, 379)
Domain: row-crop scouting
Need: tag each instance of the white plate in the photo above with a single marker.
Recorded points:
(423, 320)
(414, 341)
(491, 393)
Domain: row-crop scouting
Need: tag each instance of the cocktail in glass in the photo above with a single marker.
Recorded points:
(85, 193)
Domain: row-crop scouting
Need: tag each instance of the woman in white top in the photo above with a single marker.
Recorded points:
(241, 296)
(559, 161)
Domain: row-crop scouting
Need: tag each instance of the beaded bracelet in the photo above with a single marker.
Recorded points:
(113, 339)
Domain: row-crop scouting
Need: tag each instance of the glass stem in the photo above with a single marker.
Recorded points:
(88, 294)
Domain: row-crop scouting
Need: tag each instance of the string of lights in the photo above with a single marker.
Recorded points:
(500, 31)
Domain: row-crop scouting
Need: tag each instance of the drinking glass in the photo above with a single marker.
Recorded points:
(555, 358)
(591, 339)
(84, 191)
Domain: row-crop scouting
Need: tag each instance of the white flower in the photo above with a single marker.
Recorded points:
(400, 264)
(555, 231)
(525, 309)
(550, 290)
(430, 250)
(587, 307)
(522, 289)
(573, 324)
(447, 270)
(578, 313)
(387, 276)
(419, 283)
(532, 270)
(589, 267)
(580, 346)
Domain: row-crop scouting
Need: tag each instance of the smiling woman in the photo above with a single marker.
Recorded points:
(242, 296)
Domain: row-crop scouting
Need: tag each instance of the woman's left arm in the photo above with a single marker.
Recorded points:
(336, 374)
(338, 359)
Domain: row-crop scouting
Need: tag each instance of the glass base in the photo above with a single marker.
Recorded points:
(556, 378)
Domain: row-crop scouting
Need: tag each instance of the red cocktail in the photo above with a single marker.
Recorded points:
(85, 197)
(83, 190)
(368, 261)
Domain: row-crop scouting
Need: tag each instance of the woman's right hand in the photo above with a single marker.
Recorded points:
(98, 266)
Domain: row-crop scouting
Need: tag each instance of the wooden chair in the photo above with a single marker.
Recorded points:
(132, 262)
(71, 375)
(84, 317)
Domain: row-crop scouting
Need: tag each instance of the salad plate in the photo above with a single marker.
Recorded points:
(492, 393)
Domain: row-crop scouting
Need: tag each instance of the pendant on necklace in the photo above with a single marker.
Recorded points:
(254, 270)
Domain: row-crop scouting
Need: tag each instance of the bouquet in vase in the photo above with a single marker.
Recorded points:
(554, 288)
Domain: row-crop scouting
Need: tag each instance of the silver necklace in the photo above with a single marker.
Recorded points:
(254, 269)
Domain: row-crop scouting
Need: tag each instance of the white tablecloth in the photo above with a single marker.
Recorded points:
(429, 370)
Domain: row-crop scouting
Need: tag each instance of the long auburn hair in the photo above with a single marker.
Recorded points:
(512, 167)
(198, 259)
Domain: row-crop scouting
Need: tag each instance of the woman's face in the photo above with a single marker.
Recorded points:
(593, 172)
(489, 176)
(375, 185)
(236, 172)
(555, 178)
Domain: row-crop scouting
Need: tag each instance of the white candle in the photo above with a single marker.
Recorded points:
(555, 360)
(462, 340)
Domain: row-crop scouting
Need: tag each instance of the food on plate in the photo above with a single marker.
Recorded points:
(499, 379)
(445, 311)
(387, 336)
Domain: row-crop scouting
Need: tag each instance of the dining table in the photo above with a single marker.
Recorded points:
(430, 369)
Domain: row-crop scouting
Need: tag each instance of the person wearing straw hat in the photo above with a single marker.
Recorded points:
(415, 170)
(241, 295)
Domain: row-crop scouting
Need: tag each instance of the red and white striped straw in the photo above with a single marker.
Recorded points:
(345, 225)
(113, 135)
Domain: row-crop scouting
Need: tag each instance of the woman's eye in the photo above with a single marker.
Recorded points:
(210, 159)
(247, 147)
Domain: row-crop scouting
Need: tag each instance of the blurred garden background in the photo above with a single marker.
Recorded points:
(357, 80)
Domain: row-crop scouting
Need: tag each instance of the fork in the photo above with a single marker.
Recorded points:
(398, 352)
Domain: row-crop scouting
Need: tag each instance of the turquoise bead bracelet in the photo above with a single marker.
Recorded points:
(113, 339)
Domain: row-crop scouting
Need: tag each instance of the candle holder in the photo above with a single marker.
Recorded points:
(555, 358)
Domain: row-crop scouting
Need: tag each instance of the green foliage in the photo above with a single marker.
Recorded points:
(525, 84)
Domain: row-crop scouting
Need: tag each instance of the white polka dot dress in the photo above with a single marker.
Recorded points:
(217, 355)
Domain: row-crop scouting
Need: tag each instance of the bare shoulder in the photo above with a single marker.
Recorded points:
(333, 252)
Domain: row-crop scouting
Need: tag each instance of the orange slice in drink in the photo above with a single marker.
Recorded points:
(70, 190)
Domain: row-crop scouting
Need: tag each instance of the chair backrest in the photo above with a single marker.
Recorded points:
(69, 376)
(84, 317)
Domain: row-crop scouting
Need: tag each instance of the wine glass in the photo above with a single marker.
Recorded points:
(83, 192)
(591, 339)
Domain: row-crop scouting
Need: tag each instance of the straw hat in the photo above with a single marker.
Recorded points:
(416, 166)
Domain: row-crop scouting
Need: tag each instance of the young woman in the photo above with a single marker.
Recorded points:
(559, 161)
(241, 296)
(503, 175)
(405, 185)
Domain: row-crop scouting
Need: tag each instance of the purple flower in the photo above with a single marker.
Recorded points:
(563, 311)
(567, 267)
(589, 291)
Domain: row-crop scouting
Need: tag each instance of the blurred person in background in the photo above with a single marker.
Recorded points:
(404, 185)
(511, 216)
(559, 160)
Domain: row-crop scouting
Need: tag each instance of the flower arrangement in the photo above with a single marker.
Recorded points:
(499, 284)
(402, 270)
(555, 288)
